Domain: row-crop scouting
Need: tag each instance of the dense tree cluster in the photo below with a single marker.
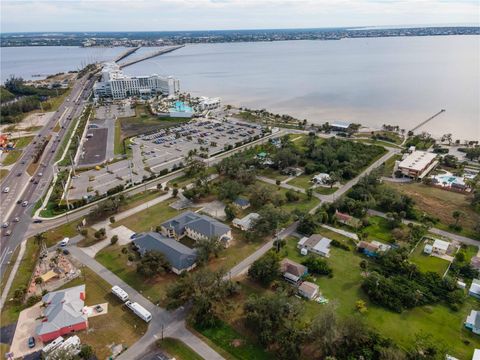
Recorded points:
(207, 292)
(267, 223)
(153, 263)
(398, 284)
(266, 269)
(317, 266)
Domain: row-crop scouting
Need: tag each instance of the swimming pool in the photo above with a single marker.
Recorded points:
(449, 179)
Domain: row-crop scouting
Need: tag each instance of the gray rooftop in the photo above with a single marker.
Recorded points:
(64, 308)
(178, 255)
(202, 224)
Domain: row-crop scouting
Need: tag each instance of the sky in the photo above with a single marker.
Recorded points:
(167, 15)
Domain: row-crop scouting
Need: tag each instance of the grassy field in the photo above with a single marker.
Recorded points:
(379, 229)
(444, 325)
(223, 336)
(149, 218)
(3, 173)
(114, 260)
(178, 349)
(144, 121)
(11, 309)
(440, 204)
(325, 190)
(428, 263)
(118, 143)
(303, 203)
(9, 268)
(118, 326)
(302, 181)
(12, 157)
(272, 174)
(392, 136)
(53, 236)
(389, 165)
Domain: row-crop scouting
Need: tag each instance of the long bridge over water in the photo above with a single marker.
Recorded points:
(149, 56)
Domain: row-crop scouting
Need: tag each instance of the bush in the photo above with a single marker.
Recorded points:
(32, 300)
(114, 239)
(340, 245)
(292, 196)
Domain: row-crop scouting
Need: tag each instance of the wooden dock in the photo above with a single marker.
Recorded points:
(426, 121)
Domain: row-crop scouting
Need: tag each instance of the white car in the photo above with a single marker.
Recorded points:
(6, 190)
(25, 203)
(64, 242)
(5, 225)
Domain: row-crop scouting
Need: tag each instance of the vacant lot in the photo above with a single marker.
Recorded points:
(143, 122)
(440, 204)
(148, 219)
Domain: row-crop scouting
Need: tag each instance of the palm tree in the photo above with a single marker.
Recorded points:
(39, 237)
(39, 281)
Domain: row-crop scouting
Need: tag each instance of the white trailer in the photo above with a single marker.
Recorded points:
(139, 310)
(53, 345)
(120, 293)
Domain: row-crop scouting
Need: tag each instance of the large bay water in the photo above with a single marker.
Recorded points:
(400, 81)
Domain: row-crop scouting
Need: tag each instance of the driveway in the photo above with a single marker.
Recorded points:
(25, 328)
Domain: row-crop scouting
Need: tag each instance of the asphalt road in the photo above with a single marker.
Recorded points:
(29, 191)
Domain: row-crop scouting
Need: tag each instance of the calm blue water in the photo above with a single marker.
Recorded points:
(372, 81)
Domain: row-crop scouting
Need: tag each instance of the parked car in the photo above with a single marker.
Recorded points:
(98, 308)
(31, 342)
(37, 221)
(6, 190)
(25, 203)
(17, 219)
(66, 252)
(5, 225)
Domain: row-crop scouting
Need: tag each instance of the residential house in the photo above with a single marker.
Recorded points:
(63, 313)
(440, 247)
(241, 203)
(308, 290)
(372, 249)
(316, 243)
(292, 271)
(320, 179)
(347, 219)
(196, 227)
(180, 257)
(473, 322)
(476, 354)
(246, 222)
(475, 289)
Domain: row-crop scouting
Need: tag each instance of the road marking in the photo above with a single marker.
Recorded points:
(4, 254)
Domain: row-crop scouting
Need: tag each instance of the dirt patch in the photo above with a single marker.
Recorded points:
(440, 203)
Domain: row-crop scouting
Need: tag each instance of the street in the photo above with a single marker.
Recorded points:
(21, 186)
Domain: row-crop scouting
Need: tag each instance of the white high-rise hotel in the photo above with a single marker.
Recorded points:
(115, 84)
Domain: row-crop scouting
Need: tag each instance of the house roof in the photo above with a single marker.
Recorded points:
(474, 319)
(440, 244)
(177, 254)
(241, 202)
(417, 160)
(201, 224)
(316, 242)
(340, 124)
(368, 246)
(292, 267)
(246, 221)
(308, 288)
(476, 354)
(342, 216)
(475, 287)
(475, 262)
(64, 308)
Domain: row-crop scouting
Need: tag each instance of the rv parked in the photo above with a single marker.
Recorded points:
(139, 310)
(120, 293)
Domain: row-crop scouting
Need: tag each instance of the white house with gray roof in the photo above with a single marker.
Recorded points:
(196, 227)
(473, 322)
(180, 257)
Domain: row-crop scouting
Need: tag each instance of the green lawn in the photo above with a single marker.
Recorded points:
(114, 260)
(302, 181)
(428, 263)
(325, 190)
(12, 157)
(12, 309)
(224, 336)
(445, 325)
(148, 219)
(118, 326)
(66, 230)
(303, 204)
(118, 143)
(379, 229)
(3, 173)
(178, 349)
(272, 174)
(389, 165)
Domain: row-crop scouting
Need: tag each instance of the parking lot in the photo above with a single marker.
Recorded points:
(162, 149)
